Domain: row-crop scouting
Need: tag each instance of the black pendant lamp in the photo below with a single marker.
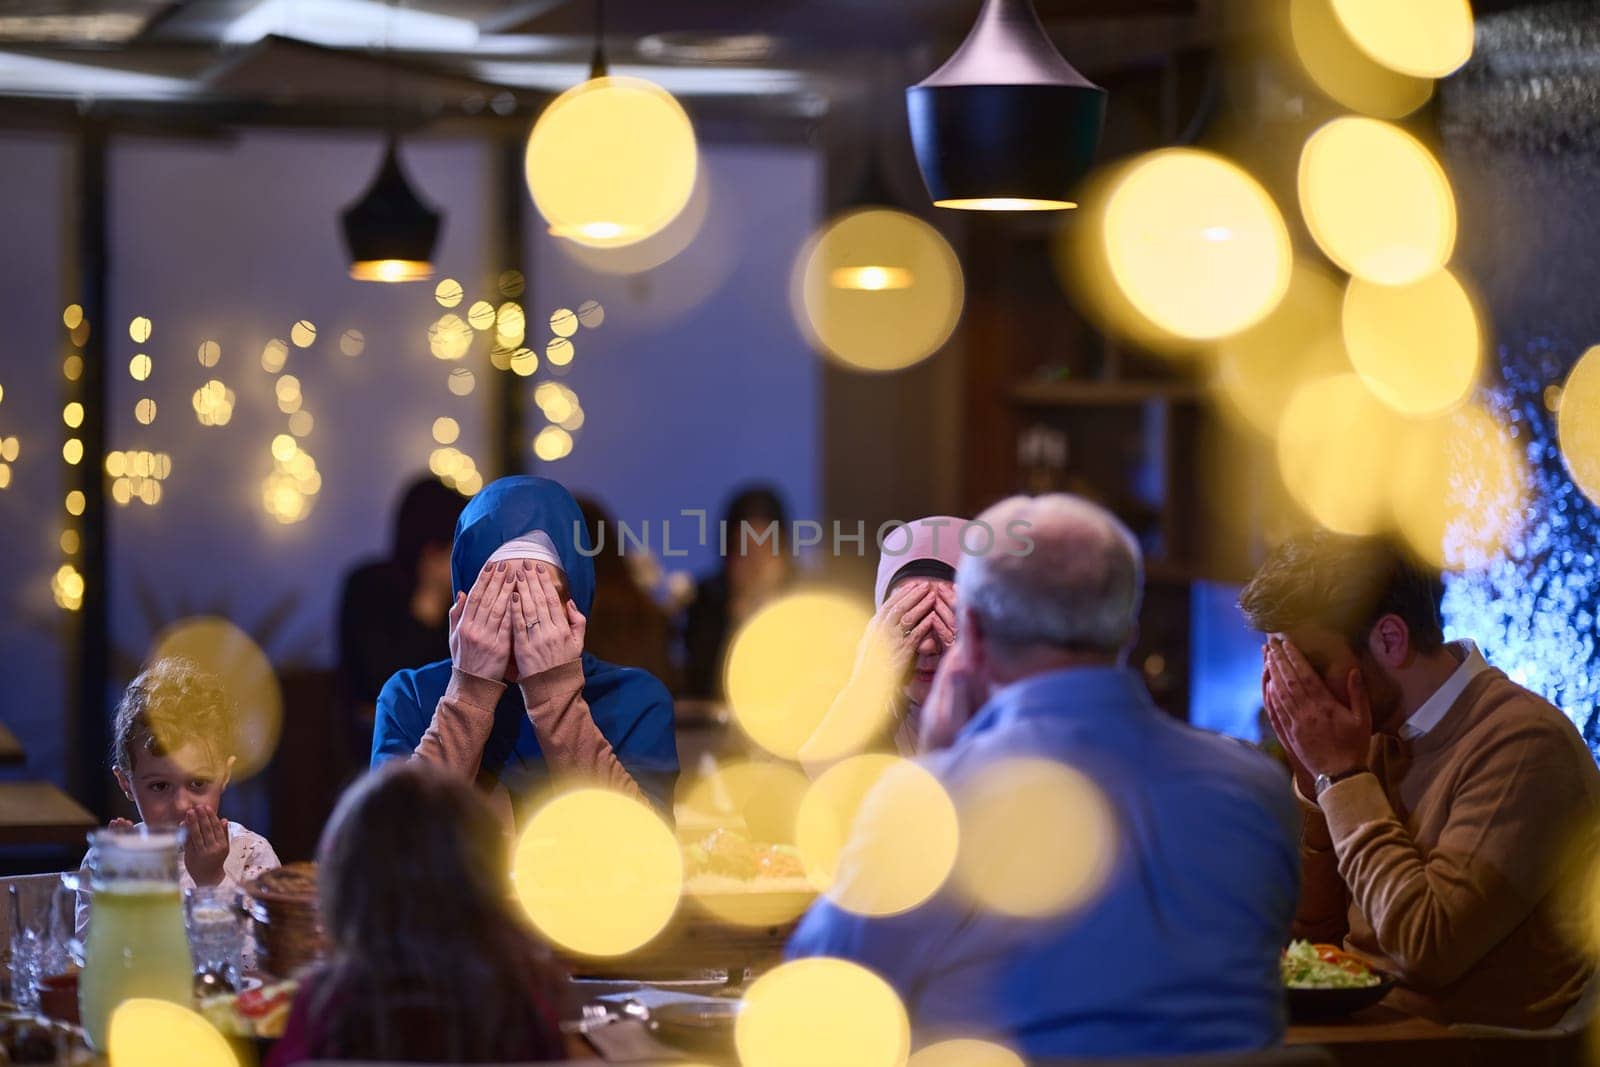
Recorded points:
(1006, 124)
(390, 232)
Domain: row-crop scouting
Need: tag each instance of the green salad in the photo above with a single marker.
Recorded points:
(1308, 966)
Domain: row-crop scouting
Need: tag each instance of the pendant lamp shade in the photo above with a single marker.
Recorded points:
(390, 233)
(1006, 124)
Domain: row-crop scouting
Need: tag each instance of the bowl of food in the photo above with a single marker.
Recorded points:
(1324, 982)
(745, 882)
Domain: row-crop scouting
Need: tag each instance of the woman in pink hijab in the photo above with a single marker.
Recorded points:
(913, 627)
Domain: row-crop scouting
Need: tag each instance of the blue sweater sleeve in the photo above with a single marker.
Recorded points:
(650, 750)
(400, 721)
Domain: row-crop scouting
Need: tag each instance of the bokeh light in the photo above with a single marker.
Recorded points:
(591, 314)
(352, 343)
(481, 315)
(822, 1011)
(301, 423)
(80, 334)
(523, 363)
(145, 411)
(884, 330)
(67, 587)
(558, 402)
(1417, 346)
(72, 367)
(70, 542)
(446, 430)
(563, 322)
(510, 284)
(448, 293)
(72, 414)
(209, 353)
(5, 475)
(1257, 370)
(157, 1033)
(274, 355)
(225, 651)
(1377, 201)
(1578, 424)
(1336, 449)
(71, 451)
(75, 502)
(510, 324)
(1345, 73)
(1423, 38)
(449, 338)
(139, 330)
(213, 403)
(1038, 838)
(140, 366)
(597, 872)
(558, 352)
(303, 333)
(1458, 488)
(778, 698)
(611, 161)
(10, 448)
(287, 389)
(72, 316)
(965, 1052)
(287, 493)
(552, 443)
(462, 381)
(899, 856)
(1195, 244)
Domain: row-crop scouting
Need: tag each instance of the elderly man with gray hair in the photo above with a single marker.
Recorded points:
(1123, 883)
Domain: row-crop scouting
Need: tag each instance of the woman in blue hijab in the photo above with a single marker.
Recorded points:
(519, 541)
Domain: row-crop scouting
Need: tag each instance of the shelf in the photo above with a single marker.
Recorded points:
(1104, 393)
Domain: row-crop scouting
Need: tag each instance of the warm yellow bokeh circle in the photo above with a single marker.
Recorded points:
(157, 1033)
(878, 834)
(1377, 201)
(597, 872)
(1423, 38)
(1346, 73)
(822, 1011)
(1336, 449)
(1195, 244)
(1038, 838)
(1417, 346)
(1258, 370)
(220, 648)
(965, 1052)
(1578, 424)
(611, 161)
(1458, 489)
(758, 800)
(878, 289)
(786, 666)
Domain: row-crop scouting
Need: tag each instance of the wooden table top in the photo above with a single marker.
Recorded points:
(1378, 1023)
(38, 813)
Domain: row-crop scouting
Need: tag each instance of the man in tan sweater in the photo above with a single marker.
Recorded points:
(1445, 807)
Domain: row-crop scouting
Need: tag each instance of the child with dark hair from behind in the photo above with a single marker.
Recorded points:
(430, 960)
(173, 750)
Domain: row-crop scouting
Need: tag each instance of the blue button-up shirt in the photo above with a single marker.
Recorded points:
(1178, 952)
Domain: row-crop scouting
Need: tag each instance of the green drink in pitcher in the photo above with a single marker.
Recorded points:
(137, 945)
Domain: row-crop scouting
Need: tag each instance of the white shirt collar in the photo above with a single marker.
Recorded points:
(1433, 709)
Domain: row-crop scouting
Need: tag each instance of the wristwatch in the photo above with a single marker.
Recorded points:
(1325, 780)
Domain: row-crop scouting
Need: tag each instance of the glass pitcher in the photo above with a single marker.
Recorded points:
(137, 945)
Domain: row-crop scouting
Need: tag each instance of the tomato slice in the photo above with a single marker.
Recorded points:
(1340, 958)
(255, 1003)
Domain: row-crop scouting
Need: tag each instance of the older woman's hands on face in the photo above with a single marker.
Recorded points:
(547, 631)
(480, 638)
(906, 616)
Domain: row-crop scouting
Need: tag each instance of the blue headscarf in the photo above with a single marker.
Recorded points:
(630, 706)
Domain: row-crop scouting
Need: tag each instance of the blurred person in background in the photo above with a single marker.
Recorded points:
(754, 571)
(1172, 944)
(392, 613)
(912, 628)
(1442, 803)
(625, 624)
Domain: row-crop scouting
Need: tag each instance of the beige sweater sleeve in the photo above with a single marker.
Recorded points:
(1437, 913)
(461, 724)
(1323, 914)
(573, 746)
